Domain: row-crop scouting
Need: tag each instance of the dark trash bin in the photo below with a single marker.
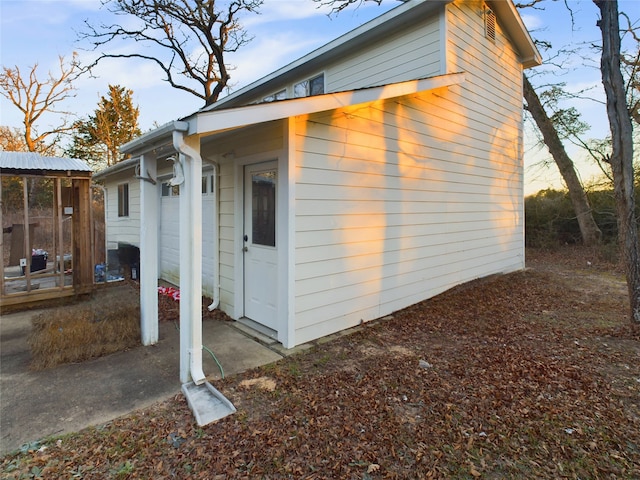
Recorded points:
(38, 262)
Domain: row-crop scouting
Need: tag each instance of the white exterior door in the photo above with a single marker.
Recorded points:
(260, 244)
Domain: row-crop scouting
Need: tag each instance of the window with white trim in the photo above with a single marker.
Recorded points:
(281, 95)
(123, 200)
(309, 87)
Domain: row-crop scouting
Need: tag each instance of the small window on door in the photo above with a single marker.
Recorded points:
(263, 189)
(123, 200)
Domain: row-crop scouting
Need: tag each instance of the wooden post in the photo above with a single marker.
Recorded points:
(81, 236)
(60, 247)
(27, 232)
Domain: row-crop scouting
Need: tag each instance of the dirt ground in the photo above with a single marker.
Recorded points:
(534, 374)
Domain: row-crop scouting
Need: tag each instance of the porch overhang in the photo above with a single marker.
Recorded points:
(217, 121)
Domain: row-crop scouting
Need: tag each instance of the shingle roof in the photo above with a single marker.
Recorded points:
(35, 161)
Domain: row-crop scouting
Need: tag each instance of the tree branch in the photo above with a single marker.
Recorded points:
(195, 35)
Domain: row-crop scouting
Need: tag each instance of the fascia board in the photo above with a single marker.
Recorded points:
(513, 24)
(150, 140)
(118, 167)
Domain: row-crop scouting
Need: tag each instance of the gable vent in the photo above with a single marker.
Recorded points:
(489, 24)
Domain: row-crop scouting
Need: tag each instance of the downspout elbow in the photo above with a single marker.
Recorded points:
(214, 304)
(197, 373)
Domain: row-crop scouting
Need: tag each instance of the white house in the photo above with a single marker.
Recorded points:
(373, 173)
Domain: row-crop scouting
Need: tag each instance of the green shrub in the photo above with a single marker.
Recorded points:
(550, 220)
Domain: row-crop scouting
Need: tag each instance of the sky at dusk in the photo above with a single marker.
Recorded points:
(38, 31)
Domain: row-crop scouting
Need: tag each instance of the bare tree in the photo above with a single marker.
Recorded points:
(621, 159)
(193, 37)
(591, 234)
(338, 5)
(631, 63)
(34, 98)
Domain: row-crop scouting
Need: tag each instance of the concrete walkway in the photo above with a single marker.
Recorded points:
(34, 405)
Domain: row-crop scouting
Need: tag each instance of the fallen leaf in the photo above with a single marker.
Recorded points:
(374, 467)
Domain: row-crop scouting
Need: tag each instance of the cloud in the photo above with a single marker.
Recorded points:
(283, 10)
(261, 57)
(532, 21)
(46, 12)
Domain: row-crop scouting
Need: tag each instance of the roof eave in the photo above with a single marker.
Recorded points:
(152, 139)
(118, 167)
(514, 26)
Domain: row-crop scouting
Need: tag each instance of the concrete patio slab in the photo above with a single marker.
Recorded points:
(64, 399)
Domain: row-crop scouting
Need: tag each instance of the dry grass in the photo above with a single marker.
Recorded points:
(107, 323)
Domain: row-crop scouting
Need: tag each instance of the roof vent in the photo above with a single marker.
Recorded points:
(489, 24)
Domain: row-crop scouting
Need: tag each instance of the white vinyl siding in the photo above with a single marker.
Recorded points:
(410, 54)
(399, 201)
(227, 232)
(169, 239)
(123, 229)
(388, 203)
(493, 72)
(169, 235)
(127, 229)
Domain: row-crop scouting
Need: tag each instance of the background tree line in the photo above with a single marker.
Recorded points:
(551, 221)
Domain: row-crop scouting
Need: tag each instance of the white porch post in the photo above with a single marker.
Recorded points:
(191, 262)
(149, 217)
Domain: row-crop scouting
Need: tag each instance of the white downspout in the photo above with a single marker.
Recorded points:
(216, 239)
(191, 234)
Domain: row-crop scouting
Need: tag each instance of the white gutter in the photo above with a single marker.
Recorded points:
(191, 258)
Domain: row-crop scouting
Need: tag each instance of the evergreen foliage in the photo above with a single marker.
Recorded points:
(115, 122)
